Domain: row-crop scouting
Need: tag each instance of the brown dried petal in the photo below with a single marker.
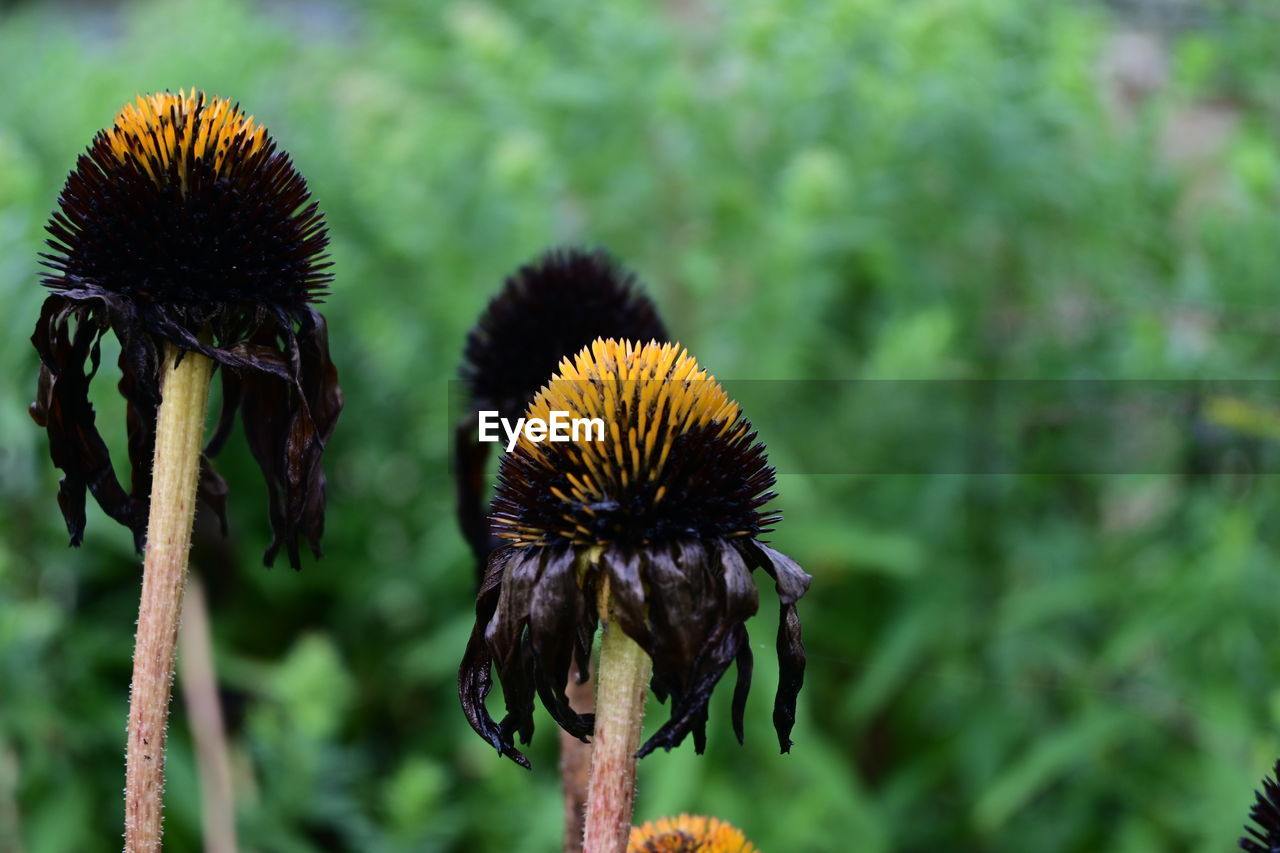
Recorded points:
(508, 644)
(626, 589)
(685, 604)
(288, 424)
(475, 677)
(791, 583)
(63, 408)
(742, 684)
(690, 626)
(790, 674)
(556, 609)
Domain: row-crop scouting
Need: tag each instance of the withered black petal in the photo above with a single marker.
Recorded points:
(742, 685)
(475, 678)
(791, 583)
(281, 380)
(791, 662)
(556, 606)
(709, 638)
(1264, 834)
(288, 424)
(685, 604)
(507, 638)
(547, 310)
(626, 586)
(67, 338)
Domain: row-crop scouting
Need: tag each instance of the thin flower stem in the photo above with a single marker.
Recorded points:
(575, 761)
(175, 475)
(199, 681)
(623, 678)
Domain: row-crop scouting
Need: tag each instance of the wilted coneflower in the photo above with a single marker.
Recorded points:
(654, 531)
(688, 834)
(187, 234)
(184, 226)
(1264, 835)
(547, 310)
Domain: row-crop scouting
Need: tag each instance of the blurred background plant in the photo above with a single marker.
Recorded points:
(864, 189)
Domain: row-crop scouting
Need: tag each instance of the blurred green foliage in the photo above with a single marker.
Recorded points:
(866, 189)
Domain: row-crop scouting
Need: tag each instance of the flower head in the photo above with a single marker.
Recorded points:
(664, 513)
(183, 223)
(1264, 835)
(688, 834)
(547, 310)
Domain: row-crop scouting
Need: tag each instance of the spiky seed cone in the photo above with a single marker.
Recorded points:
(547, 310)
(186, 204)
(679, 460)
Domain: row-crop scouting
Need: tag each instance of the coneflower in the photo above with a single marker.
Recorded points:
(1264, 835)
(653, 531)
(188, 235)
(688, 834)
(547, 310)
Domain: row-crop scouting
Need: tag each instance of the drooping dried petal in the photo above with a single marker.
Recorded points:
(791, 583)
(556, 609)
(475, 679)
(530, 615)
(67, 337)
(288, 424)
(686, 605)
(700, 598)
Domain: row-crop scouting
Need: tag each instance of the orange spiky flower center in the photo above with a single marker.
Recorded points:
(165, 132)
(672, 456)
(688, 834)
(186, 202)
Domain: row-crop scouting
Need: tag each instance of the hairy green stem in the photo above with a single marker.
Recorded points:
(622, 678)
(175, 474)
